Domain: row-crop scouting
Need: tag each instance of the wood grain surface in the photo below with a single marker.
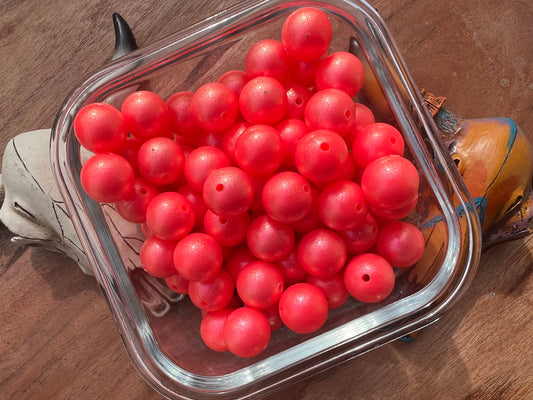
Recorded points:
(57, 336)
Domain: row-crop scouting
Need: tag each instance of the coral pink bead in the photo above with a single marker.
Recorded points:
(306, 34)
(270, 240)
(342, 205)
(107, 177)
(228, 231)
(375, 141)
(401, 243)
(198, 257)
(214, 293)
(330, 109)
(201, 162)
(303, 308)
(170, 216)
(267, 57)
(156, 257)
(160, 160)
(322, 252)
(146, 115)
(263, 100)
(260, 284)
(100, 128)
(320, 156)
(212, 329)
(340, 70)
(228, 191)
(291, 130)
(390, 182)
(214, 107)
(369, 278)
(247, 332)
(133, 208)
(287, 197)
(181, 121)
(235, 80)
(332, 287)
(259, 150)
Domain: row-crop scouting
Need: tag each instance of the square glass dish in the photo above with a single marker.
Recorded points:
(162, 339)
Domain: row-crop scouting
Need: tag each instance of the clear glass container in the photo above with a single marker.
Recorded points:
(165, 346)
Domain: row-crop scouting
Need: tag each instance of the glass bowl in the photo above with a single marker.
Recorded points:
(161, 332)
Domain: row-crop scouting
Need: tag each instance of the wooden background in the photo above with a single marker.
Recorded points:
(57, 336)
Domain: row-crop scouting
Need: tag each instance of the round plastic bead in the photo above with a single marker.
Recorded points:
(340, 70)
(201, 162)
(247, 332)
(303, 308)
(237, 260)
(212, 294)
(212, 329)
(390, 182)
(180, 118)
(228, 191)
(400, 243)
(230, 137)
(363, 237)
(342, 205)
(160, 160)
(369, 277)
(146, 115)
(197, 201)
(312, 219)
(272, 314)
(332, 287)
(156, 256)
(321, 252)
(107, 177)
(270, 240)
(133, 208)
(214, 107)
(235, 80)
(290, 131)
(100, 128)
(260, 284)
(374, 141)
(267, 57)
(330, 109)
(132, 145)
(287, 197)
(263, 100)
(177, 283)
(228, 231)
(291, 269)
(170, 216)
(298, 96)
(198, 257)
(259, 150)
(306, 34)
(320, 156)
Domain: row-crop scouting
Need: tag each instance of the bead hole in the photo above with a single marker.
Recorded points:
(324, 146)
(219, 187)
(366, 278)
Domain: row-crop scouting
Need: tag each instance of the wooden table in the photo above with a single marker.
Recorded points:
(57, 336)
